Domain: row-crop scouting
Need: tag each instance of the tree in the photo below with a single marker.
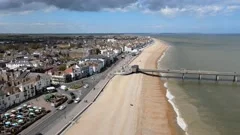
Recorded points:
(62, 67)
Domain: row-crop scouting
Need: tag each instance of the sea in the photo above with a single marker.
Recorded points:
(203, 107)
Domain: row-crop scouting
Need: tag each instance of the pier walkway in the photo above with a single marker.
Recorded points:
(183, 73)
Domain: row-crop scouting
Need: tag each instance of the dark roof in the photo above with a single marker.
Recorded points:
(23, 75)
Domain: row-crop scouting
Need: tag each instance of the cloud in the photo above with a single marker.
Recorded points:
(77, 5)
(164, 7)
(41, 27)
(194, 7)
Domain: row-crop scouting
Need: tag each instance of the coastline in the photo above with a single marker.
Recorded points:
(135, 104)
(156, 107)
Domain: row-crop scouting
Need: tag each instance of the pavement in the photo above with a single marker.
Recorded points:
(52, 123)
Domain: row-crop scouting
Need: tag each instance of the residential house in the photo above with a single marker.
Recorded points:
(128, 48)
(74, 71)
(96, 66)
(104, 59)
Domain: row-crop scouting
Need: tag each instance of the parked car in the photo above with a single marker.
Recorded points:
(63, 87)
(77, 100)
(62, 107)
(86, 86)
(72, 95)
(70, 101)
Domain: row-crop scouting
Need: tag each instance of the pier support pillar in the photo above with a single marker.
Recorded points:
(235, 79)
(183, 76)
(217, 78)
(199, 77)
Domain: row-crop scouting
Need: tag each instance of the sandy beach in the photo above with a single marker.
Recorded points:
(113, 114)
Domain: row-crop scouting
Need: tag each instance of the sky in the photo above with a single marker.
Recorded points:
(119, 16)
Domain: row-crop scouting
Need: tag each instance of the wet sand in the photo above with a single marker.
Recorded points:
(131, 105)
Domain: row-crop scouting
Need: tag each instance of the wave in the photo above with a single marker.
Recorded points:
(160, 59)
(180, 121)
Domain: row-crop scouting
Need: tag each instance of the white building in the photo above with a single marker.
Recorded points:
(117, 51)
(23, 63)
(11, 96)
(111, 40)
(17, 64)
(128, 48)
(92, 59)
(26, 88)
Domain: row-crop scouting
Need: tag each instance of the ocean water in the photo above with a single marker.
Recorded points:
(204, 107)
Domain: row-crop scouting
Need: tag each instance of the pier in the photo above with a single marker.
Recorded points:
(183, 73)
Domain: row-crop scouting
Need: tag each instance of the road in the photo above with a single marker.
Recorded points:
(53, 122)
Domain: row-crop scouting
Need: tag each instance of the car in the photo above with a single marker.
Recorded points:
(86, 86)
(70, 101)
(72, 95)
(77, 100)
(62, 107)
(63, 87)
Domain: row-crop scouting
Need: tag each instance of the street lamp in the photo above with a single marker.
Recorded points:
(80, 94)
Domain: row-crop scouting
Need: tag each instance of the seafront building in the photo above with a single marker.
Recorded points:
(27, 73)
(21, 87)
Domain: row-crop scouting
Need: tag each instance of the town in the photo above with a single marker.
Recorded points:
(41, 74)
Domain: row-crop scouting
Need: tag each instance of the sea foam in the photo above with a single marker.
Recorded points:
(180, 120)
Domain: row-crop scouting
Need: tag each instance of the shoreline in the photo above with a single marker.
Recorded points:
(177, 120)
(159, 86)
(134, 104)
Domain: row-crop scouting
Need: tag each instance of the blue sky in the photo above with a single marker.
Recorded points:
(127, 16)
